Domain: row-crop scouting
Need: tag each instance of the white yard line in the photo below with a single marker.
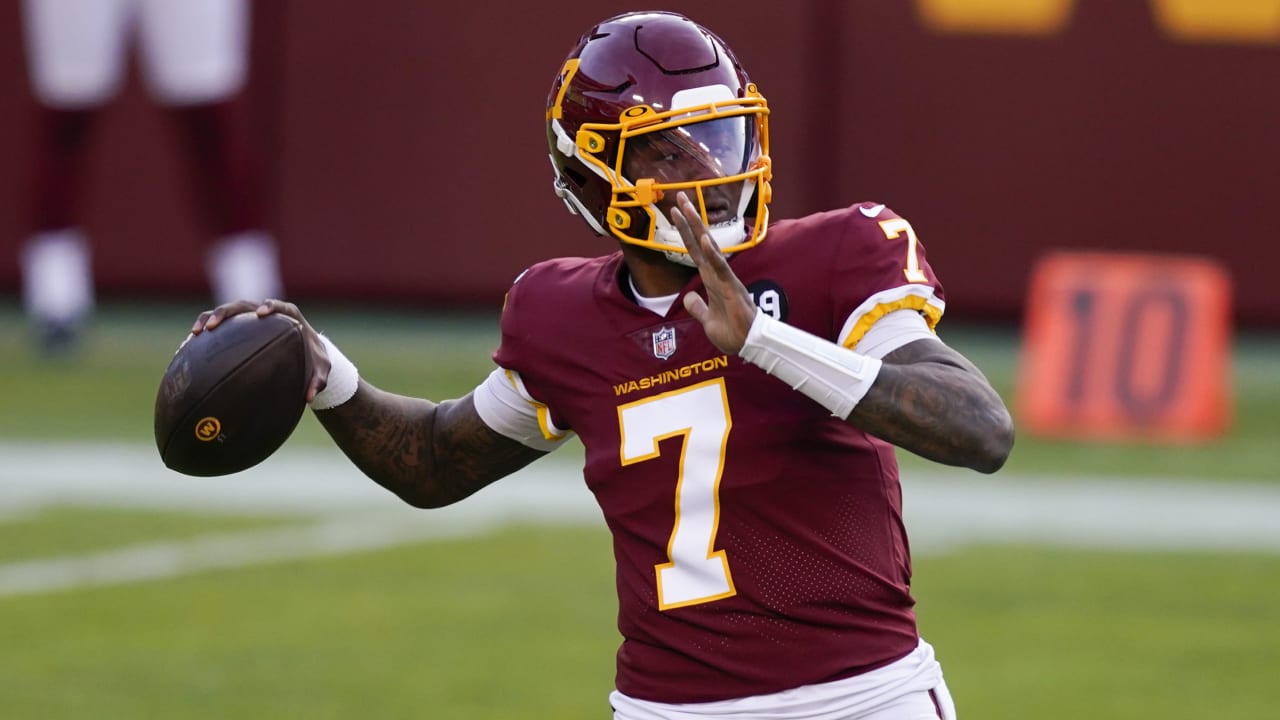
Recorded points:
(342, 512)
(151, 561)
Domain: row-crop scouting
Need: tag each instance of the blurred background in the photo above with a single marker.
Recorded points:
(405, 151)
(1123, 565)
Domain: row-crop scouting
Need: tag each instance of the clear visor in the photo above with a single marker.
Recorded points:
(706, 150)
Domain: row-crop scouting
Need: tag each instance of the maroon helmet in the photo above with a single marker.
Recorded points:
(655, 90)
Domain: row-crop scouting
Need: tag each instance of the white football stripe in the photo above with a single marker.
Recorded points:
(340, 511)
(153, 561)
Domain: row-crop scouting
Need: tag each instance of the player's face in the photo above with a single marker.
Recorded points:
(699, 151)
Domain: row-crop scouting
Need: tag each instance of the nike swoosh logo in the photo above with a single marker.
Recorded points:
(872, 211)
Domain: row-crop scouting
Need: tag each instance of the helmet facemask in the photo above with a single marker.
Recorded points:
(711, 145)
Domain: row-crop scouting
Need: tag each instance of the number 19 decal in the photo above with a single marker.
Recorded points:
(696, 571)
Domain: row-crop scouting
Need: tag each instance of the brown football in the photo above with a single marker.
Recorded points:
(231, 396)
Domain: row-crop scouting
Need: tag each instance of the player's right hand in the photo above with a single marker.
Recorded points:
(320, 365)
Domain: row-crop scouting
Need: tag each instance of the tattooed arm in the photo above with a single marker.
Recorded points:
(930, 400)
(429, 454)
(927, 398)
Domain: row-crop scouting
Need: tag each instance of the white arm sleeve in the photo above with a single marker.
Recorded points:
(892, 332)
(834, 376)
(506, 407)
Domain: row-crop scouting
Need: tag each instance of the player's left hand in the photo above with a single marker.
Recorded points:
(727, 313)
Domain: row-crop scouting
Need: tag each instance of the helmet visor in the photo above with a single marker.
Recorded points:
(708, 150)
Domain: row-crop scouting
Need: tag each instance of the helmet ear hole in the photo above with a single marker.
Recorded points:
(577, 178)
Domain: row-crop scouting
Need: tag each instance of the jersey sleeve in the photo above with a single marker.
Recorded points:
(880, 268)
(503, 400)
(504, 404)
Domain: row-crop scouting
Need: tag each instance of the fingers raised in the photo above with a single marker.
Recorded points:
(697, 239)
(696, 306)
(687, 226)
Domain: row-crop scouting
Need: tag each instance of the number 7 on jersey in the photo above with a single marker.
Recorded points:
(696, 571)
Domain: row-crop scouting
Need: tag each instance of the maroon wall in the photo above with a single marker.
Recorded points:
(408, 163)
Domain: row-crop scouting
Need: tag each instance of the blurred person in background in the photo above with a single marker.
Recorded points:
(739, 387)
(193, 56)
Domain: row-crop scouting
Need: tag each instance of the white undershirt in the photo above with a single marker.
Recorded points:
(660, 305)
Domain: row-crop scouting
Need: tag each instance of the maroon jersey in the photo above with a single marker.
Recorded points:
(759, 540)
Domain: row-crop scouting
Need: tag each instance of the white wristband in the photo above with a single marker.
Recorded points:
(834, 376)
(343, 379)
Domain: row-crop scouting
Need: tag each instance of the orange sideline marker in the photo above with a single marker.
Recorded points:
(1126, 347)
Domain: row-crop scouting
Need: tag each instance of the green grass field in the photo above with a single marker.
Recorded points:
(519, 623)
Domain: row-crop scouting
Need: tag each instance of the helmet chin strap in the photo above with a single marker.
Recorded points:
(723, 235)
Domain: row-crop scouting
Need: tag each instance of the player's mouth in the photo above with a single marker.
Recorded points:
(719, 213)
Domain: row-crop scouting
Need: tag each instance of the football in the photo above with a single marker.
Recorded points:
(231, 396)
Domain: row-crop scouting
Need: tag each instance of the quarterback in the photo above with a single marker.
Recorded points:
(739, 383)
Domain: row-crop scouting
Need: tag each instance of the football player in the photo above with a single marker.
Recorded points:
(193, 55)
(739, 384)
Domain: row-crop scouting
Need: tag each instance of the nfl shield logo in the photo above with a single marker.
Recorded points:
(664, 343)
